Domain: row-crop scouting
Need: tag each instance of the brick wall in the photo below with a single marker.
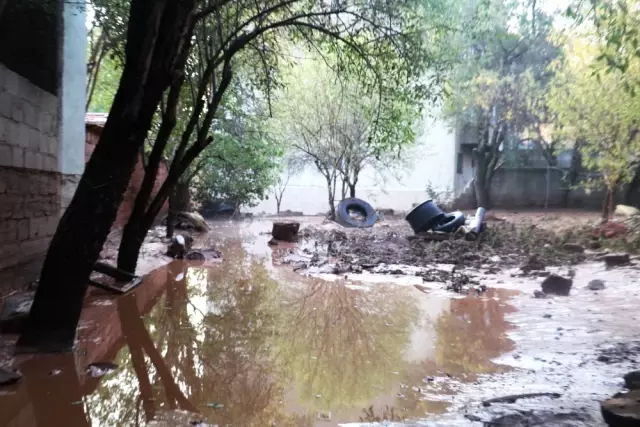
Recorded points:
(29, 178)
(93, 135)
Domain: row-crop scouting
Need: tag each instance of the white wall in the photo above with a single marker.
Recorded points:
(431, 159)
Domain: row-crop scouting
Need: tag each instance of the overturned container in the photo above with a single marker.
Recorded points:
(424, 217)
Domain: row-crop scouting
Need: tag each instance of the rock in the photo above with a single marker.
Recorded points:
(8, 376)
(632, 380)
(616, 259)
(195, 256)
(539, 294)
(573, 247)
(557, 285)
(622, 410)
(192, 220)
(532, 264)
(286, 231)
(625, 210)
(596, 285)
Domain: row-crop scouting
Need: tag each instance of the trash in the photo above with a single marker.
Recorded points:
(179, 277)
(215, 405)
(286, 231)
(450, 222)
(557, 285)
(476, 225)
(179, 246)
(99, 369)
(9, 376)
(626, 211)
(424, 217)
(596, 285)
(355, 213)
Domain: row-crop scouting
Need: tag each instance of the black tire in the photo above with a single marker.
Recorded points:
(344, 218)
(450, 222)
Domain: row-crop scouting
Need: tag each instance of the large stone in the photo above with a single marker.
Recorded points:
(286, 231)
(179, 246)
(557, 285)
(532, 264)
(622, 410)
(624, 210)
(573, 247)
(193, 220)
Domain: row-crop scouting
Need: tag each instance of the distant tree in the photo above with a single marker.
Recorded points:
(600, 113)
(289, 166)
(334, 126)
(498, 88)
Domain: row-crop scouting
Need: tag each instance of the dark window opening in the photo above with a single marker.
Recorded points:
(459, 163)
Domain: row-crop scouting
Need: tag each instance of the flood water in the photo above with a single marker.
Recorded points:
(247, 342)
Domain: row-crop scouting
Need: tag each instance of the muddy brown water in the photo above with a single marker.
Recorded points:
(247, 342)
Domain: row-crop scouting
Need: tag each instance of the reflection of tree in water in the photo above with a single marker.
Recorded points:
(471, 333)
(212, 331)
(343, 345)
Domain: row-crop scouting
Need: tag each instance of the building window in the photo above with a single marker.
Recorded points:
(459, 163)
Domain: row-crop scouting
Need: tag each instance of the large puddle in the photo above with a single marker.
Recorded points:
(248, 343)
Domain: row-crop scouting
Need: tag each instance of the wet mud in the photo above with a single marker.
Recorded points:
(249, 342)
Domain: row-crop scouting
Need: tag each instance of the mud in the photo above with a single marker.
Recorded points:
(249, 342)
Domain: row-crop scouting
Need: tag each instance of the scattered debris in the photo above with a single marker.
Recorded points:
(557, 285)
(99, 369)
(9, 376)
(596, 285)
(514, 397)
(286, 231)
(532, 264)
(179, 246)
(15, 311)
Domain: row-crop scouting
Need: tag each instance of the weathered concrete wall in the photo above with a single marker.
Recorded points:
(527, 188)
(29, 179)
(42, 86)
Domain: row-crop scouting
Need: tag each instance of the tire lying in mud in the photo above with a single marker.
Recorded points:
(450, 222)
(366, 215)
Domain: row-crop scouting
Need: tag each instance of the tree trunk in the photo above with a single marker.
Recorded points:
(480, 184)
(572, 176)
(155, 38)
(278, 203)
(171, 217)
(332, 197)
(352, 190)
(179, 201)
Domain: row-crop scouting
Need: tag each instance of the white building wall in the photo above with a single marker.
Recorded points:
(430, 160)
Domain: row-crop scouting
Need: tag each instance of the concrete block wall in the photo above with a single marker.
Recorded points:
(29, 177)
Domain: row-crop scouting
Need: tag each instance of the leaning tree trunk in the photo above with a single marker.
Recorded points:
(179, 201)
(332, 197)
(155, 38)
(572, 176)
